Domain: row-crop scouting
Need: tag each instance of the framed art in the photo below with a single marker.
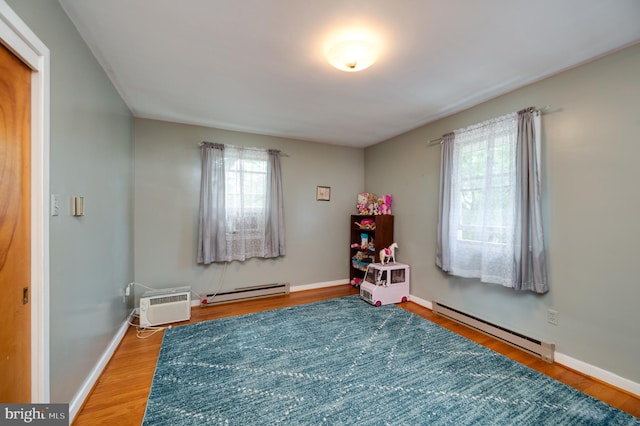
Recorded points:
(323, 193)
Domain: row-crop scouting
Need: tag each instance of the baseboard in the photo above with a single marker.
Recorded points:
(582, 367)
(312, 286)
(599, 374)
(421, 302)
(79, 398)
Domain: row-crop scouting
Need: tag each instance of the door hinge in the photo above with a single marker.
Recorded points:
(25, 295)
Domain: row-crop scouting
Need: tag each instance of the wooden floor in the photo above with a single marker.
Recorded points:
(120, 395)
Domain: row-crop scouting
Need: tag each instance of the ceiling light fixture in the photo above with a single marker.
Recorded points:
(352, 55)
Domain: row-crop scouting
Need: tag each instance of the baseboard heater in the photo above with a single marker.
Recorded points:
(538, 348)
(245, 293)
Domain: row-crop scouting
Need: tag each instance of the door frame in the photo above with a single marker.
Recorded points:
(19, 39)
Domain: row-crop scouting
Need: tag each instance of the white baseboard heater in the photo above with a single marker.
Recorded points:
(165, 306)
(538, 348)
(245, 293)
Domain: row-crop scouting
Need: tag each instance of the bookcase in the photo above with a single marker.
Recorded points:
(368, 235)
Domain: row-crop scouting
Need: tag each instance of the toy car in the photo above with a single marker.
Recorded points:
(385, 284)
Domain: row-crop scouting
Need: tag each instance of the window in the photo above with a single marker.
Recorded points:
(489, 219)
(486, 178)
(482, 199)
(246, 190)
(397, 276)
(241, 206)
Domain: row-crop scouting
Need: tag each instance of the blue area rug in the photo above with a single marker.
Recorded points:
(345, 362)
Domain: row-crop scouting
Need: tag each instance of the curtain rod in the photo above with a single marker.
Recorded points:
(543, 110)
(252, 148)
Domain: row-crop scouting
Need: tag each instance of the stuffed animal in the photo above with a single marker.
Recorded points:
(385, 204)
(362, 203)
(371, 204)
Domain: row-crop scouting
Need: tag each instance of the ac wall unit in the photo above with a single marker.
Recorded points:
(165, 306)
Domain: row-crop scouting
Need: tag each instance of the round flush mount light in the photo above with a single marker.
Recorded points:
(352, 55)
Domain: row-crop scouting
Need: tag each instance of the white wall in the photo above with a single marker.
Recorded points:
(591, 206)
(167, 188)
(91, 258)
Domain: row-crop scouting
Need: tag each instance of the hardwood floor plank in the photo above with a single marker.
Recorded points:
(120, 395)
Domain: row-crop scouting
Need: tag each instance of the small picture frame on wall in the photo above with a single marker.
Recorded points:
(323, 193)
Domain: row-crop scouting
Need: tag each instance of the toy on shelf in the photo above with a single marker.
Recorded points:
(386, 254)
(364, 240)
(371, 204)
(368, 224)
(361, 260)
(365, 243)
(384, 204)
(371, 246)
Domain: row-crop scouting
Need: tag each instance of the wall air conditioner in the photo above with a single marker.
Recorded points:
(165, 306)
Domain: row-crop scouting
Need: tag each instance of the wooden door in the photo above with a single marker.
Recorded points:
(15, 229)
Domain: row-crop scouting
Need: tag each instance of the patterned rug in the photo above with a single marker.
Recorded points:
(345, 362)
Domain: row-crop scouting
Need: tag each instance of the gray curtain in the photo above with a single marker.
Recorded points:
(212, 227)
(442, 242)
(529, 252)
(274, 214)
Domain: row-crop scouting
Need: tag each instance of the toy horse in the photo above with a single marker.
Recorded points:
(386, 254)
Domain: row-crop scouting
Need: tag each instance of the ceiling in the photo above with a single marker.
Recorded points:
(258, 66)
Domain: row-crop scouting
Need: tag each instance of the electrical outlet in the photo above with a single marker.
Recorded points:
(552, 317)
(125, 293)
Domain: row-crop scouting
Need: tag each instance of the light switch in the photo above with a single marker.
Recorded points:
(55, 205)
(77, 206)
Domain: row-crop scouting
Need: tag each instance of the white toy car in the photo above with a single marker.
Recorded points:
(385, 284)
